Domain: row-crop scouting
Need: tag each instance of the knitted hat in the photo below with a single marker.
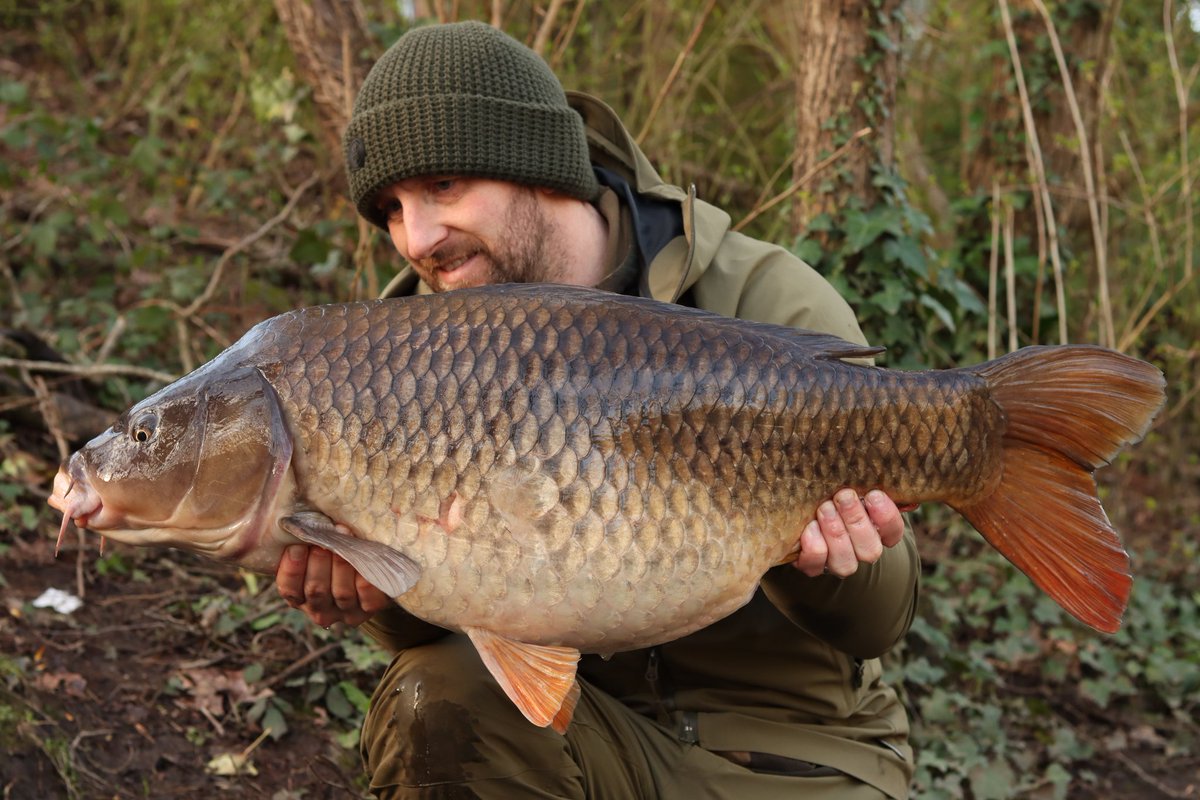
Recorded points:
(463, 99)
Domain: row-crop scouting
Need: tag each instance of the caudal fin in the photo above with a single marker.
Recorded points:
(1069, 411)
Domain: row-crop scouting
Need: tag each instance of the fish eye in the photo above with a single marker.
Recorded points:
(143, 429)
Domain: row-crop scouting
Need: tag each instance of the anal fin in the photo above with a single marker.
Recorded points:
(539, 679)
(386, 569)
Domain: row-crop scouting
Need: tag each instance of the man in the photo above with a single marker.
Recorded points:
(465, 149)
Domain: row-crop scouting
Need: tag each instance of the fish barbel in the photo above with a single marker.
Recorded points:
(555, 470)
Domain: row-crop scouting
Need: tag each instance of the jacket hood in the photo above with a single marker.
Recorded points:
(681, 263)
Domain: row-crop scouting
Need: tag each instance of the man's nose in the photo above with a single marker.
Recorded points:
(424, 232)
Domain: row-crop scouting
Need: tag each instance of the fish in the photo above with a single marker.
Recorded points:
(555, 470)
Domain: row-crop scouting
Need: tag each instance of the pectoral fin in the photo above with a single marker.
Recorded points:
(386, 569)
(539, 679)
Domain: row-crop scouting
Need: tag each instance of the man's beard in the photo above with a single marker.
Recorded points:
(526, 255)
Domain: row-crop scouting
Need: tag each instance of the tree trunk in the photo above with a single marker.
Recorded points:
(329, 40)
(844, 59)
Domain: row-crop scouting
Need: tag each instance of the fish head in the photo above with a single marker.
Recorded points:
(198, 465)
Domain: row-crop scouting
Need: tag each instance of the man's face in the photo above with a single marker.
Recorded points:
(458, 232)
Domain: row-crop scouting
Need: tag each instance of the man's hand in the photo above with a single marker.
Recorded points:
(326, 588)
(848, 531)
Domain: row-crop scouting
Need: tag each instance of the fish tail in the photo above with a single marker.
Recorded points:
(1069, 411)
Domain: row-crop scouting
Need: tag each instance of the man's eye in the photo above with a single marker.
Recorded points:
(390, 208)
(444, 184)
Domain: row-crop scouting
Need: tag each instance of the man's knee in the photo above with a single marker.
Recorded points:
(439, 718)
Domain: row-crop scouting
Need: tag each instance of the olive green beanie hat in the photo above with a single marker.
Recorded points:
(463, 99)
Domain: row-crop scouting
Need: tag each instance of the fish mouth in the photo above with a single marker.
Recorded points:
(74, 496)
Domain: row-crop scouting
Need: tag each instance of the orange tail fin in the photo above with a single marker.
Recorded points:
(1070, 410)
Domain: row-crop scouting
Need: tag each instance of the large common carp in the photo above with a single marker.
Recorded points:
(555, 470)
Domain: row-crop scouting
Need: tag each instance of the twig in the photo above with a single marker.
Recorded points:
(800, 182)
(254, 745)
(567, 34)
(993, 269)
(18, 303)
(678, 65)
(1039, 284)
(300, 663)
(110, 339)
(1181, 99)
(54, 425)
(1107, 331)
(1039, 170)
(364, 262)
(185, 345)
(1137, 770)
(219, 270)
(543, 33)
(1010, 278)
(214, 147)
(1155, 243)
(1152, 312)
(49, 412)
(88, 371)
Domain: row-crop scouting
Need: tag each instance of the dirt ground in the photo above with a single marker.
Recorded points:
(135, 694)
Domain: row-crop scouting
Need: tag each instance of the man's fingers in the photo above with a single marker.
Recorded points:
(885, 515)
(864, 536)
(370, 598)
(813, 551)
(342, 587)
(842, 560)
(289, 576)
(317, 582)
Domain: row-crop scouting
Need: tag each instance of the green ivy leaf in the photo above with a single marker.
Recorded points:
(863, 228)
(942, 313)
(356, 696)
(907, 251)
(892, 296)
(13, 93)
(146, 155)
(309, 248)
(274, 722)
(337, 704)
(807, 250)
(993, 781)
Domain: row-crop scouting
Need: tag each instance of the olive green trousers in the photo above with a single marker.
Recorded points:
(439, 726)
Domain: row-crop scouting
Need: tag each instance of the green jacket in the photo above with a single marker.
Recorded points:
(796, 672)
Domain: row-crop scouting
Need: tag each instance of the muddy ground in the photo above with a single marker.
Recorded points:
(139, 693)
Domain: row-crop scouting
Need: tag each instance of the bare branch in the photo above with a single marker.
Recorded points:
(218, 272)
(1039, 170)
(1010, 278)
(89, 370)
(566, 35)
(1181, 99)
(543, 33)
(1107, 334)
(688, 47)
(802, 181)
(993, 269)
